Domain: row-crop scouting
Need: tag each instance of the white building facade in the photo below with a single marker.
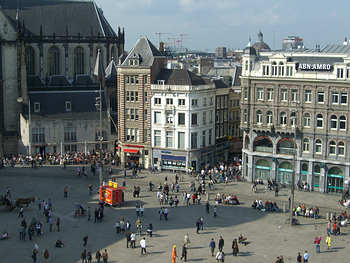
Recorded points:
(182, 121)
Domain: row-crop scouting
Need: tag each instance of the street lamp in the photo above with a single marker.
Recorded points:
(20, 100)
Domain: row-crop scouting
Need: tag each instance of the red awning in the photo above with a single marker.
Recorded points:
(131, 151)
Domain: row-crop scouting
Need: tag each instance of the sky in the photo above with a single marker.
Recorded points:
(208, 24)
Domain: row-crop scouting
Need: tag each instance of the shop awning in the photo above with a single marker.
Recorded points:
(131, 151)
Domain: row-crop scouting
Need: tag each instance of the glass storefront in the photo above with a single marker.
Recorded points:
(263, 170)
(335, 180)
(284, 173)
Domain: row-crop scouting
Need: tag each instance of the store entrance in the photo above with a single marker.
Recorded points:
(335, 180)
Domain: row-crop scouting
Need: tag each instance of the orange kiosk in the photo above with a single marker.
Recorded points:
(112, 194)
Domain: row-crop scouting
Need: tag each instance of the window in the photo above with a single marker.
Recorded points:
(344, 98)
(169, 117)
(157, 117)
(181, 118)
(340, 73)
(319, 121)
(274, 69)
(280, 69)
(169, 101)
(145, 96)
(306, 145)
(136, 114)
(70, 134)
(335, 97)
(260, 94)
(289, 72)
(293, 119)
(204, 117)
(144, 79)
(211, 101)
(211, 116)
(38, 135)
(132, 134)
(342, 123)
(157, 138)
(194, 119)
(203, 138)
(132, 96)
(307, 96)
(341, 148)
(284, 95)
(79, 66)
(318, 146)
(145, 115)
(194, 102)
(334, 122)
(127, 114)
(181, 102)
(283, 118)
(259, 117)
(294, 95)
(204, 101)
(266, 70)
(193, 140)
(332, 148)
(36, 107)
(269, 118)
(210, 135)
(132, 114)
(320, 97)
(68, 106)
(54, 61)
(181, 140)
(270, 94)
(307, 120)
(30, 60)
(245, 94)
(157, 101)
(169, 139)
(132, 80)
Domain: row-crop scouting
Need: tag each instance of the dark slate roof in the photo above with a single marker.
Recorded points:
(83, 80)
(55, 16)
(145, 51)
(180, 77)
(219, 84)
(54, 102)
(111, 74)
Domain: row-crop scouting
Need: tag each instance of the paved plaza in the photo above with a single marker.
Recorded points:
(268, 233)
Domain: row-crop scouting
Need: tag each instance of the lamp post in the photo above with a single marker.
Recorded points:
(20, 100)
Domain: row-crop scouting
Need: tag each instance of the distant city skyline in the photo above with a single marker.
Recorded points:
(212, 23)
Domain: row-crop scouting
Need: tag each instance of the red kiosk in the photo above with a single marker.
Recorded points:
(112, 194)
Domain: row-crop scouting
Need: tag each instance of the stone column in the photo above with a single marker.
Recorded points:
(310, 178)
(323, 180)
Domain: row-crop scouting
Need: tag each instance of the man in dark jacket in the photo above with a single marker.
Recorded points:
(221, 243)
(212, 247)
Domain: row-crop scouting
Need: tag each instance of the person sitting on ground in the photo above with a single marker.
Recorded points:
(4, 236)
(242, 240)
(59, 243)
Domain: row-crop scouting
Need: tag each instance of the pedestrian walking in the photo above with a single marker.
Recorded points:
(328, 241)
(95, 215)
(166, 214)
(50, 224)
(187, 240)
(46, 255)
(173, 254)
(143, 246)
(317, 242)
(299, 258)
(128, 239)
(198, 224)
(184, 253)
(34, 255)
(98, 256)
(133, 240)
(235, 249)
(105, 256)
(83, 256)
(58, 223)
(88, 213)
(89, 257)
(207, 207)
(306, 256)
(221, 243)
(212, 247)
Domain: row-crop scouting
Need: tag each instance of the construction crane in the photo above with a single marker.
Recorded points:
(182, 36)
(160, 34)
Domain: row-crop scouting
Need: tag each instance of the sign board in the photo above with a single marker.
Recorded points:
(313, 67)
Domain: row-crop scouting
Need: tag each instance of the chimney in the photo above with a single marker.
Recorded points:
(161, 47)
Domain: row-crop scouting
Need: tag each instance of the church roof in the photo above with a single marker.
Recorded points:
(145, 51)
(261, 46)
(58, 16)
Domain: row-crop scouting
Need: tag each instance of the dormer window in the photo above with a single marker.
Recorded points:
(36, 107)
(68, 106)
